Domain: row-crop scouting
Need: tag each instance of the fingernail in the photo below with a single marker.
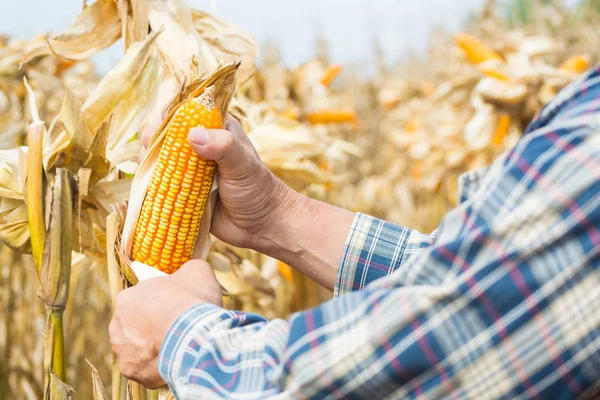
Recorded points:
(198, 136)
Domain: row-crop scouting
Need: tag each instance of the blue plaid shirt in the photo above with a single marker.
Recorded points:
(502, 301)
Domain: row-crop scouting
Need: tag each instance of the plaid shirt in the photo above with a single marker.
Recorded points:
(501, 302)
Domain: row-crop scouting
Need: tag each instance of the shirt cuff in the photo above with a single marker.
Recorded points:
(374, 248)
(178, 351)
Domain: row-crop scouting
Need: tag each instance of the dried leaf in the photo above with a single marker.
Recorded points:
(35, 191)
(72, 144)
(117, 84)
(10, 180)
(478, 132)
(134, 106)
(58, 390)
(14, 225)
(227, 41)
(98, 390)
(96, 160)
(95, 29)
(501, 93)
(139, 8)
(178, 47)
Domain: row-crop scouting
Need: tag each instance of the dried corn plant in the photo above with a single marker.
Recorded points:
(432, 120)
(391, 145)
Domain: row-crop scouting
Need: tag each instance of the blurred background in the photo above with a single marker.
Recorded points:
(349, 26)
(377, 106)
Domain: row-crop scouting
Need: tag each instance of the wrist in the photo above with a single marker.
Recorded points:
(308, 235)
(287, 207)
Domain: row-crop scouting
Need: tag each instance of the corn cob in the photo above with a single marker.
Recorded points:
(494, 73)
(578, 64)
(475, 50)
(328, 116)
(330, 74)
(177, 195)
(501, 130)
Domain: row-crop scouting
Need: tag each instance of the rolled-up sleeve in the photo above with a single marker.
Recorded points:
(375, 248)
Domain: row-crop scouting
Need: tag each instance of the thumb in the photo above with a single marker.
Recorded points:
(224, 148)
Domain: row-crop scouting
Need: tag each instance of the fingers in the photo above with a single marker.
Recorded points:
(234, 126)
(150, 130)
(141, 154)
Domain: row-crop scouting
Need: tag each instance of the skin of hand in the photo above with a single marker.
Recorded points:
(145, 312)
(250, 196)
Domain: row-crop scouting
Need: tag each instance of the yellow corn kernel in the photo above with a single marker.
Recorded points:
(475, 50)
(285, 271)
(178, 192)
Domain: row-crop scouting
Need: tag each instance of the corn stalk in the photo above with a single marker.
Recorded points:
(55, 275)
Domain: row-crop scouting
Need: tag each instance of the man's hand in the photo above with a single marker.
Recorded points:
(250, 196)
(145, 313)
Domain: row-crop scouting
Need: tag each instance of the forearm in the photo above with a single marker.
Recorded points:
(307, 234)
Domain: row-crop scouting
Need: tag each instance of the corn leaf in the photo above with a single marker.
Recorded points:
(95, 28)
(98, 390)
(178, 48)
(115, 85)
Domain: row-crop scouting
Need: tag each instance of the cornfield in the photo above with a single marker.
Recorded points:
(391, 145)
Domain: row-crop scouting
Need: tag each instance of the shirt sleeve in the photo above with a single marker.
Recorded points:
(375, 248)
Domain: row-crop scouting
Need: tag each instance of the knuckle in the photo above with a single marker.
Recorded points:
(120, 300)
(227, 139)
(112, 329)
(224, 142)
(127, 369)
